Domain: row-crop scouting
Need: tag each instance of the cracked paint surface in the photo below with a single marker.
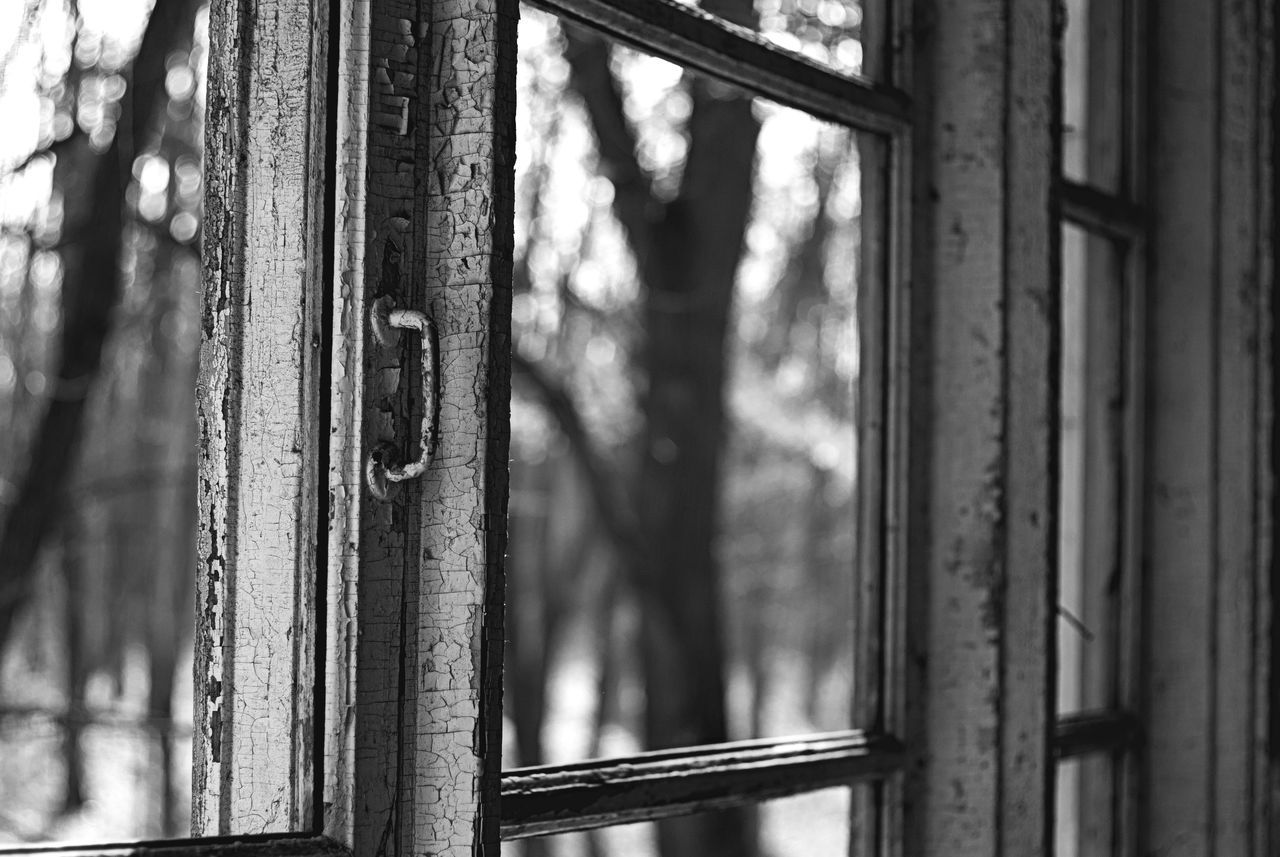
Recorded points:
(415, 595)
(257, 395)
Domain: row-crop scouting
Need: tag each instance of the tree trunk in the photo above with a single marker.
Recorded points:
(73, 795)
(687, 253)
(91, 255)
(687, 310)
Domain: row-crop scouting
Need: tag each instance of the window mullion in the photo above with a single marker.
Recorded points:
(425, 105)
(259, 419)
(982, 486)
(1208, 428)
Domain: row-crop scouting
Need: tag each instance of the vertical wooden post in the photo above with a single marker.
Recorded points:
(470, 199)
(406, 144)
(425, 211)
(259, 417)
(982, 426)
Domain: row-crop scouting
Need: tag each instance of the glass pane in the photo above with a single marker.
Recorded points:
(1093, 465)
(1085, 807)
(846, 36)
(1095, 93)
(682, 554)
(816, 823)
(96, 618)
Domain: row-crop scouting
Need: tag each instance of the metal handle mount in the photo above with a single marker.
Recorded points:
(381, 468)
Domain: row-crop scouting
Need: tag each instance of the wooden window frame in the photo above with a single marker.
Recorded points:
(349, 652)
(1193, 679)
(559, 799)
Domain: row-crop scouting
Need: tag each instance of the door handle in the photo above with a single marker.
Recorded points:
(381, 468)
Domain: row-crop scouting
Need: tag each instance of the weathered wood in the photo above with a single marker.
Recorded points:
(258, 412)
(1265, 797)
(469, 211)
(1180, 490)
(1091, 732)
(561, 798)
(1101, 212)
(1209, 495)
(981, 542)
(426, 149)
(882, 280)
(693, 38)
(282, 845)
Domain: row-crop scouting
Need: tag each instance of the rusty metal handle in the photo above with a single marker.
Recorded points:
(381, 470)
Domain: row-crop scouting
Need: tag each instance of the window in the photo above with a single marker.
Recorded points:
(1103, 233)
(703, 318)
(1060, 552)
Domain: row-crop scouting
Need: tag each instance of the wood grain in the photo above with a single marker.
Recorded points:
(258, 417)
(695, 39)
(981, 507)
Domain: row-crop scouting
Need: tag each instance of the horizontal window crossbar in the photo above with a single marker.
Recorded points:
(580, 796)
(1100, 212)
(1095, 732)
(695, 39)
(265, 845)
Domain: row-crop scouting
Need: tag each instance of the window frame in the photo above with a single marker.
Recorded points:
(967, 461)
(1108, 788)
(602, 790)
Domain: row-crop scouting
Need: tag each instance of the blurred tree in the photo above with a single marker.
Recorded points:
(91, 181)
(100, 459)
(687, 250)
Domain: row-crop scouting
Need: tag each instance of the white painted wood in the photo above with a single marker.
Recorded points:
(372, 549)
(413, 600)
(470, 194)
(1026, 768)
(981, 546)
(1180, 537)
(258, 419)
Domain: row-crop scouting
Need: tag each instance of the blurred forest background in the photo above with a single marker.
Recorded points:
(99, 300)
(683, 458)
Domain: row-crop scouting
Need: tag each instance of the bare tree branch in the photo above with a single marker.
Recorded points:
(633, 201)
(618, 518)
(90, 290)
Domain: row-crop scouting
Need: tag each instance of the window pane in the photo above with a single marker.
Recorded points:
(684, 457)
(830, 32)
(816, 823)
(96, 630)
(1085, 809)
(1092, 513)
(1096, 91)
